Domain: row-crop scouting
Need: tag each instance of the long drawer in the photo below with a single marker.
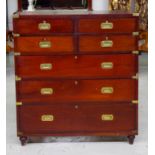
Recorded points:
(42, 26)
(52, 44)
(81, 66)
(56, 91)
(51, 119)
(108, 25)
(108, 43)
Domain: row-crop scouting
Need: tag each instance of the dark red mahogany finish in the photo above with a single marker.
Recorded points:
(77, 67)
(59, 25)
(85, 115)
(121, 43)
(123, 25)
(75, 86)
(58, 44)
(77, 91)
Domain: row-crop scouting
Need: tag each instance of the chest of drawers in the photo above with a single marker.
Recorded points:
(76, 74)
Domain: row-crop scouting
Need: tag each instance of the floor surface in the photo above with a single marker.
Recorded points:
(78, 145)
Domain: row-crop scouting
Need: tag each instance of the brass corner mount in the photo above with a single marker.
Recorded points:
(17, 78)
(19, 103)
(134, 101)
(16, 15)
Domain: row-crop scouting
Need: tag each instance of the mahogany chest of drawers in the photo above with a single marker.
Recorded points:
(76, 74)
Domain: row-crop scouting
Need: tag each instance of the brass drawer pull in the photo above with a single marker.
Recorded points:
(107, 117)
(44, 26)
(45, 44)
(107, 65)
(47, 118)
(106, 25)
(46, 66)
(107, 90)
(106, 43)
(46, 91)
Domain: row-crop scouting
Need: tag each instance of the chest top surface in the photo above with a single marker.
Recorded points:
(77, 12)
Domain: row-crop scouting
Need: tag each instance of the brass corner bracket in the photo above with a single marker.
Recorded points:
(135, 52)
(135, 14)
(17, 54)
(16, 15)
(135, 76)
(135, 33)
(17, 78)
(16, 35)
(19, 133)
(19, 103)
(134, 101)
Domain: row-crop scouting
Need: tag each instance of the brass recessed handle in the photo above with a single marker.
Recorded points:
(44, 26)
(106, 25)
(45, 44)
(107, 65)
(107, 117)
(47, 118)
(107, 90)
(46, 66)
(46, 91)
(106, 43)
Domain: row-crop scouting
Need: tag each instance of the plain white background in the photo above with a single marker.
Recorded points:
(12, 7)
(2, 77)
(151, 77)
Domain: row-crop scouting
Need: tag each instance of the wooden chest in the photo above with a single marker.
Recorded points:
(76, 74)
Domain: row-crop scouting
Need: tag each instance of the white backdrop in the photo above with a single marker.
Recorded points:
(12, 7)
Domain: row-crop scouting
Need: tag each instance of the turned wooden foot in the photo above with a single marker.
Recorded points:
(131, 139)
(23, 140)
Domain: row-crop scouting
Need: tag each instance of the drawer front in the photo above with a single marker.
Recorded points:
(50, 119)
(102, 25)
(52, 91)
(112, 43)
(42, 26)
(86, 66)
(44, 44)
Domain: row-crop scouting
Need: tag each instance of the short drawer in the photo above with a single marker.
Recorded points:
(81, 66)
(58, 91)
(44, 44)
(42, 26)
(111, 43)
(105, 25)
(53, 119)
